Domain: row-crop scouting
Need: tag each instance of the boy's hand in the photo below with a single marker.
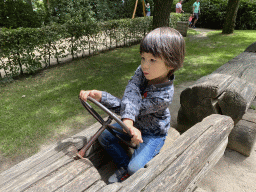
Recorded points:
(95, 94)
(137, 138)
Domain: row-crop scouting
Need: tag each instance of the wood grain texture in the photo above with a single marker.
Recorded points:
(181, 164)
(229, 90)
(184, 160)
(47, 162)
(187, 167)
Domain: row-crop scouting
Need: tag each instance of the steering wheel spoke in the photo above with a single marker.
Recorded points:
(105, 125)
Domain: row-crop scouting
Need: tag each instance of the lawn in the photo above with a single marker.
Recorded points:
(44, 107)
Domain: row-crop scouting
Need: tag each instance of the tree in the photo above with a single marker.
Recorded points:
(230, 20)
(18, 13)
(161, 14)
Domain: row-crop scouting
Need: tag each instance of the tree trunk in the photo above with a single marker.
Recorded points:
(161, 14)
(230, 21)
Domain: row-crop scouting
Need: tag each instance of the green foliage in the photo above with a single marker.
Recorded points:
(213, 13)
(18, 46)
(175, 17)
(14, 14)
(62, 11)
(45, 107)
(246, 15)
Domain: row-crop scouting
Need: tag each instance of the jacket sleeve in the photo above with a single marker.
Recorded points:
(111, 102)
(131, 101)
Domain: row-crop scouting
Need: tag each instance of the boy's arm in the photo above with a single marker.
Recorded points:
(131, 101)
(111, 102)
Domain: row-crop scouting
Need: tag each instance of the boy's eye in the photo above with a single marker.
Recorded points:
(152, 60)
(142, 58)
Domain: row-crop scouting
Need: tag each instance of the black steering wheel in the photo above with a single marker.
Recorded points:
(105, 125)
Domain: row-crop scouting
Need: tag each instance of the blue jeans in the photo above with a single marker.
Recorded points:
(142, 155)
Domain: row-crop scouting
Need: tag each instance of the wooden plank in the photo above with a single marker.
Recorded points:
(82, 182)
(27, 179)
(210, 163)
(233, 97)
(48, 156)
(217, 125)
(243, 137)
(242, 66)
(112, 187)
(233, 85)
(61, 177)
(237, 99)
(177, 176)
(199, 100)
(96, 186)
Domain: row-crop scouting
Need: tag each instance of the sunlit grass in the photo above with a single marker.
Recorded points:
(45, 107)
(205, 55)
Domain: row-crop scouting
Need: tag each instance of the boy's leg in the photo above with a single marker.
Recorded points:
(147, 150)
(111, 144)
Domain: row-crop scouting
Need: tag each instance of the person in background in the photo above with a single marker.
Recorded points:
(196, 11)
(179, 7)
(148, 9)
(190, 20)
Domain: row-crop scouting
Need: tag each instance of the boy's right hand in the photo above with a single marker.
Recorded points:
(95, 94)
(137, 137)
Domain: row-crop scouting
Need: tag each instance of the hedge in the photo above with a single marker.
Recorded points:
(175, 17)
(25, 50)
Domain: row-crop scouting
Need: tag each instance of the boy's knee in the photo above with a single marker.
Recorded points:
(134, 167)
(104, 137)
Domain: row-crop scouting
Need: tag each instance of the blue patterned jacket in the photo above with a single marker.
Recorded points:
(146, 105)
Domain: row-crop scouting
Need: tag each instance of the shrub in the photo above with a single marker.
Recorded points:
(14, 14)
(213, 13)
(18, 46)
(175, 17)
(246, 16)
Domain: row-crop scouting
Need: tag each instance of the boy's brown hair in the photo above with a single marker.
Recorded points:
(166, 43)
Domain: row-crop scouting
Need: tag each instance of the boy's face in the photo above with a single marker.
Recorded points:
(154, 67)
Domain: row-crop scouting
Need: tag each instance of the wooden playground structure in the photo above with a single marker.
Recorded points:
(135, 8)
(226, 94)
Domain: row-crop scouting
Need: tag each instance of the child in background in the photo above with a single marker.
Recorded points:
(144, 106)
(190, 20)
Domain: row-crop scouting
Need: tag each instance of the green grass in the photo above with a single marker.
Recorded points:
(204, 56)
(45, 107)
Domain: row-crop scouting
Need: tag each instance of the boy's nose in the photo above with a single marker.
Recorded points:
(145, 65)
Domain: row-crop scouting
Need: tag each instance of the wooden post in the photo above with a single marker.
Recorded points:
(229, 90)
(135, 9)
(143, 5)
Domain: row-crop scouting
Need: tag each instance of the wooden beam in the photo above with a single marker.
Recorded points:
(143, 5)
(136, 4)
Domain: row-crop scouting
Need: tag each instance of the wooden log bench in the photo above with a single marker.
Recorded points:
(243, 137)
(179, 167)
(229, 90)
